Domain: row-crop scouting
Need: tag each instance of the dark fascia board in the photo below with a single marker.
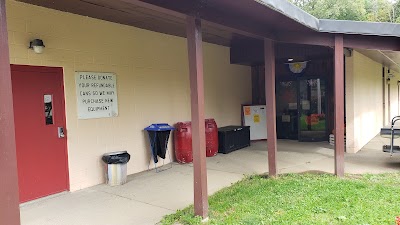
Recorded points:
(357, 27)
(293, 12)
(331, 26)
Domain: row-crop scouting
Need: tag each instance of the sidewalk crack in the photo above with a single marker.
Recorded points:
(131, 199)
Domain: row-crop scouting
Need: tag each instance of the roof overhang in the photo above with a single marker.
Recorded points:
(360, 28)
(225, 21)
(291, 11)
(389, 59)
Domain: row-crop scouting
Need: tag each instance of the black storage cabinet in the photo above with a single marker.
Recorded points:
(232, 138)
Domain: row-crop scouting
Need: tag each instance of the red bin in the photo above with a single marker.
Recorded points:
(211, 137)
(183, 142)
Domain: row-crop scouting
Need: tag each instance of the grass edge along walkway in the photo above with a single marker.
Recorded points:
(302, 199)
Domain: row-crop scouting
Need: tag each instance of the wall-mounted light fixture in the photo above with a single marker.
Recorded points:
(37, 45)
(388, 81)
(390, 75)
(348, 52)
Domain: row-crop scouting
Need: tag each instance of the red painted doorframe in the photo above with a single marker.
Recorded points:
(56, 71)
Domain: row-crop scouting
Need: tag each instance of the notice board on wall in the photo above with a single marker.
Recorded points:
(96, 95)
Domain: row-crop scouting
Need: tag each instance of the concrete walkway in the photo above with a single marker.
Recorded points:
(148, 196)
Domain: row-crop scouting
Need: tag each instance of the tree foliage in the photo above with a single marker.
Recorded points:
(358, 10)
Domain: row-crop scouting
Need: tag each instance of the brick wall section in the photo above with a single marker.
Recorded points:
(364, 100)
(152, 79)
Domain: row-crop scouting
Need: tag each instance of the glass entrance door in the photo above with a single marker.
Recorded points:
(312, 110)
(286, 110)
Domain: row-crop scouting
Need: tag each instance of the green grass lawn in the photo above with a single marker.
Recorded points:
(303, 199)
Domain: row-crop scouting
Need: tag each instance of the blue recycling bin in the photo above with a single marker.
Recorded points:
(159, 135)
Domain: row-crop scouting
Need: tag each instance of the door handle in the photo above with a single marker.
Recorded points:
(61, 133)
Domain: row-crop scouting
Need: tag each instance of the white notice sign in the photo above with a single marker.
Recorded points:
(96, 95)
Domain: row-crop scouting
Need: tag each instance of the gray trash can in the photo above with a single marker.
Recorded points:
(116, 167)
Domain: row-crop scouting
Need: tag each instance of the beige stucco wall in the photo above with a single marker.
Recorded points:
(364, 113)
(364, 100)
(392, 107)
(386, 112)
(394, 98)
(152, 80)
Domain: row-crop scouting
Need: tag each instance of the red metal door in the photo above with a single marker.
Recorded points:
(39, 113)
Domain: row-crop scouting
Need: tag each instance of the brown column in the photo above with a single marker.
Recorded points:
(339, 106)
(9, 198)
(269, 53)
(195, 54)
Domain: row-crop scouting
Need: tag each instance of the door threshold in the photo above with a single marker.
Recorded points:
(43, 199)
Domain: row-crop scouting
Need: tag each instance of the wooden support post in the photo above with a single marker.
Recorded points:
(269, 53)
(195, 54)
(339, 106)
(9, 197)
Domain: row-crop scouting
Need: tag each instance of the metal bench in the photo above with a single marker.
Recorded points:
(391, 133)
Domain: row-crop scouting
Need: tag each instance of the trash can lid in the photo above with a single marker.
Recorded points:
(159, 127)
(115, 153)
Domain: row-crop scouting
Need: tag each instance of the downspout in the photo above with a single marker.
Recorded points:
(383, 96)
